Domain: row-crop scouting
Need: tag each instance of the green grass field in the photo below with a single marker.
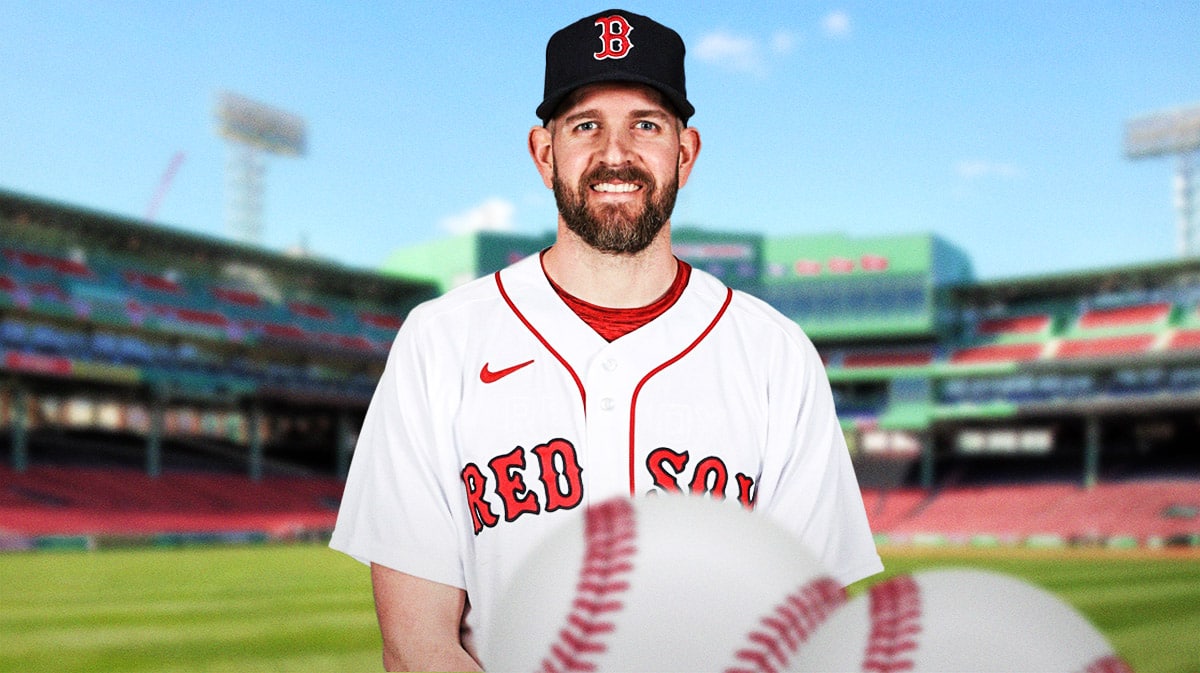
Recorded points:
(305, 608)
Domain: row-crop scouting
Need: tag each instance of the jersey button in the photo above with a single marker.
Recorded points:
(608, 404)
(610, 364)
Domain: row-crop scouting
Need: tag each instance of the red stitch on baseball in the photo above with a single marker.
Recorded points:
(771, 647)
(610, 543)
(1110, 664)
(895, 623)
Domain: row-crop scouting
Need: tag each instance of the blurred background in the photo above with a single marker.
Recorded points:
(215, 216)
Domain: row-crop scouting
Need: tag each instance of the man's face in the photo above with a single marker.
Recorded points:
(615, 165)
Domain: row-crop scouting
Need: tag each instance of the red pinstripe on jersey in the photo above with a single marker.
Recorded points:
(656, 370)
(539, 337)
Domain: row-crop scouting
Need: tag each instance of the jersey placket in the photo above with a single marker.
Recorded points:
(610, 381)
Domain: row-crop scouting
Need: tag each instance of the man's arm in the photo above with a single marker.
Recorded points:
(420, 621)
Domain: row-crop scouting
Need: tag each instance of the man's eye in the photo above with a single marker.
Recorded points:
(646, 126)
(586, 126)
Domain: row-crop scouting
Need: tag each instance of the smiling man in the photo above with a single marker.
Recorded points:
(603, 367)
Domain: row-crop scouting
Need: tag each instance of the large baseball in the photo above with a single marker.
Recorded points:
(958, 620)
(665, 583)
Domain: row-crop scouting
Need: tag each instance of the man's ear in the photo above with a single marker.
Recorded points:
(689, 149)
(542, 151)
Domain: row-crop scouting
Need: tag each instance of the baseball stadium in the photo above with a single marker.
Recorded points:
(178, 412)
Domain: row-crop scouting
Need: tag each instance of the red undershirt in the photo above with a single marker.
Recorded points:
(611, 323)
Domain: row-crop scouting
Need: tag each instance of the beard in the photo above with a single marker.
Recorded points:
(621, 229)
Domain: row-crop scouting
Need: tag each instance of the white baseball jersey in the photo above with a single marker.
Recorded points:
(500, 414)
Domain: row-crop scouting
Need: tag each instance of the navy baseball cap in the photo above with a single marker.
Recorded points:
(615, 46)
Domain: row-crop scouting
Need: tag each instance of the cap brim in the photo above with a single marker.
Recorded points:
(549, 106)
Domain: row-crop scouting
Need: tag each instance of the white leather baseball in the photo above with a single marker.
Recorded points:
(665, 583)
(958, 620)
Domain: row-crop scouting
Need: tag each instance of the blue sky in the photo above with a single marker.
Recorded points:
(995, 124)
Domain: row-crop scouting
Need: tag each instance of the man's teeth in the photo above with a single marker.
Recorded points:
(618, 188)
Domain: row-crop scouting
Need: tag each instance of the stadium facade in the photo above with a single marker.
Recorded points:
(941, 379)
(131, 342)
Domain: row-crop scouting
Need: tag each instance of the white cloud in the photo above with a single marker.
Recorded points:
(974, 169)
(733, 52)
(494, 214)
(836, 24)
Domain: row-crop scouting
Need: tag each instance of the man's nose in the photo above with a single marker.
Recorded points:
(617, 148)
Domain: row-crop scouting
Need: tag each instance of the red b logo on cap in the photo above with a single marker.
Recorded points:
(614, 37)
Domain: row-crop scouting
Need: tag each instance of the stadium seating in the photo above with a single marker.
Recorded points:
(50, 500)
(906, 358)
(1111, 346)
(990, 353)
(1138, 510)
(1026, 326)
(124, 294)
(56, 500)
(47, 266)
(886, 510)
(1126, 330)
(1184, 339)
(1137, 316)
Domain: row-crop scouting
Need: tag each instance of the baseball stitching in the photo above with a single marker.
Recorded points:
(895, 623)
(771, 647)
(610, 534)
(1110, 664)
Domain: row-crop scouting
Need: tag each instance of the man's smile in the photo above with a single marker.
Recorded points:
(616, 187)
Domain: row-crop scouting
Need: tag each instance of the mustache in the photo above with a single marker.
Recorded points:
(622, 174)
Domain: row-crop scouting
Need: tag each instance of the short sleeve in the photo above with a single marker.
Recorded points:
(809, 483)
(397, 509)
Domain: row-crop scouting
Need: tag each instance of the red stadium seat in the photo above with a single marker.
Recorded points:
(1021, 352)
(1184, 339)
(1024, 324)
(37, 261)
(48, 500)
(206, 318)
(1135, 344)
(242, 298)
(1140, 315)
(151, 281)
(887, 359)
(309, 310)
(380, 321)
(346, 342)
(1015, 513)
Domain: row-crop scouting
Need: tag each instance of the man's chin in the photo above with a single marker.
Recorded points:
(625, 213)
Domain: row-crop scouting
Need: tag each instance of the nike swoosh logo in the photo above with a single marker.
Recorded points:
(488, 376)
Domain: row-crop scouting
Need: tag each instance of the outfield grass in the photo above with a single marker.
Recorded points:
(274, 608)
(305, 608)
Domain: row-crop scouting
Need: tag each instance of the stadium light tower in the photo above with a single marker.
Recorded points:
(251, 129)
(1175, 131)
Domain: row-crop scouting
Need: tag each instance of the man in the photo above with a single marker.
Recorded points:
(602, 367)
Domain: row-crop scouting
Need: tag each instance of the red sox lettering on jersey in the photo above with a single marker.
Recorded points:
(558, 475)
(614, 37)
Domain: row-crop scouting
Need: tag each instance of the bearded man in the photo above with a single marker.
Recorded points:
(602, 367)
